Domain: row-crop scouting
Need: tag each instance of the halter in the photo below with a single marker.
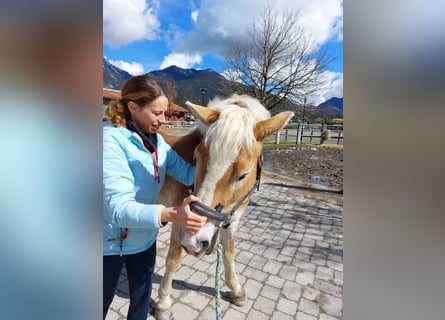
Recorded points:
(216, 214)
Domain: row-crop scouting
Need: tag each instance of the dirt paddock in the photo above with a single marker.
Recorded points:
(319, 164)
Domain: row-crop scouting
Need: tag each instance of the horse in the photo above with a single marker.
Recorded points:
(226, 149)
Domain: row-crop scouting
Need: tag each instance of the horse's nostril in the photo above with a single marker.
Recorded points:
(205, 244)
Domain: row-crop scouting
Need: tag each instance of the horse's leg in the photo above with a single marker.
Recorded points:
(173, 261)
(237, 294)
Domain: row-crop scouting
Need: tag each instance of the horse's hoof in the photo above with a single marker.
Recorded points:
(239, 301)
(164, 315)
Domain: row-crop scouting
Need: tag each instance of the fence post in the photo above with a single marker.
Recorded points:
(299, 133)
(323, 128)
(277, 138)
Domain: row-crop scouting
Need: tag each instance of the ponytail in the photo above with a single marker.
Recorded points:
(117, 113)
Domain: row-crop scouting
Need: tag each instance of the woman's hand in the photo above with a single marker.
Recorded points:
(189, 221)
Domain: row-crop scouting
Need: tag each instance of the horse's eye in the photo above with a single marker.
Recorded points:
(242, 177)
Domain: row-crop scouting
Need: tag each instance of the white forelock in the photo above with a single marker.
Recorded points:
(233, 131)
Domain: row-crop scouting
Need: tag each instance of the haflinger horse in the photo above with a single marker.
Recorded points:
(226, 148)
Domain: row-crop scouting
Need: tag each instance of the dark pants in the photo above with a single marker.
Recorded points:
(140, 268)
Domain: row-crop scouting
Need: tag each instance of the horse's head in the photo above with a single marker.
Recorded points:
(227, 160)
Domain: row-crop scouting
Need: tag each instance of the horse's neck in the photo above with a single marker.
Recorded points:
(184, 145)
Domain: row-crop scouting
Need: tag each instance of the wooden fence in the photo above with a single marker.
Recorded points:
(311, 133)
(308, 133)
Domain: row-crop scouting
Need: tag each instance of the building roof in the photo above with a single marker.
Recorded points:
(111, 94)
(174, 107)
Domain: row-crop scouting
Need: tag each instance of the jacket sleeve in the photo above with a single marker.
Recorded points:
(119, 190)
(178, 168)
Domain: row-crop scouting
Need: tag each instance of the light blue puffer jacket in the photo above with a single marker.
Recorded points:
(130, 191)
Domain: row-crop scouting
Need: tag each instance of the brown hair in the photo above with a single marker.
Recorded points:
(141, 90)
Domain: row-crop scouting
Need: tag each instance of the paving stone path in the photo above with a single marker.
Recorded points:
(289, 258)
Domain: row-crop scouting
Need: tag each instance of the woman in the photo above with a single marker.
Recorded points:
(135, 162)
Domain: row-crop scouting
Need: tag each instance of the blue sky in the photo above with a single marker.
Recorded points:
(145, 35)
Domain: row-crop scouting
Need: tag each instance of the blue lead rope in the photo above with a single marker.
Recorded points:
(217, 283)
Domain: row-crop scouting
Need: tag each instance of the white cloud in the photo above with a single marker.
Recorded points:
(182, 60)
(133, 68)
(220, 21)
(128, 21)
(194, 15)
(323, 19)
(232, 75)
(333, 88)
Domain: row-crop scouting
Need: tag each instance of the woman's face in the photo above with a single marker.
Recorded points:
(151, 116)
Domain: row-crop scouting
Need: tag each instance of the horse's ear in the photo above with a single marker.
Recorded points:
(267, 127)
(205, 115)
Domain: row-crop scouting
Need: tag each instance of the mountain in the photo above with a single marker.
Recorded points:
(190, 84)
(333, 105)
(335, 102)
(113, 77)
(198, 86)
(174, 73)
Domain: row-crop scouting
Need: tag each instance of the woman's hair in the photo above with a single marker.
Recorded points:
(141, 90)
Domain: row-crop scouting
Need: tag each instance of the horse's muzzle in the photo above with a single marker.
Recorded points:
(202, 243)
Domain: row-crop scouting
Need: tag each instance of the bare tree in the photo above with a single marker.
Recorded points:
(279, 62)
(307, 113)
(328, 113)
(170, 90)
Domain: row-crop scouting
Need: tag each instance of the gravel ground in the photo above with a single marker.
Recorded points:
(319, 164)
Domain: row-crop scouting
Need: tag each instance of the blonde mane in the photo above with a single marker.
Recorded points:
(233, 131)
